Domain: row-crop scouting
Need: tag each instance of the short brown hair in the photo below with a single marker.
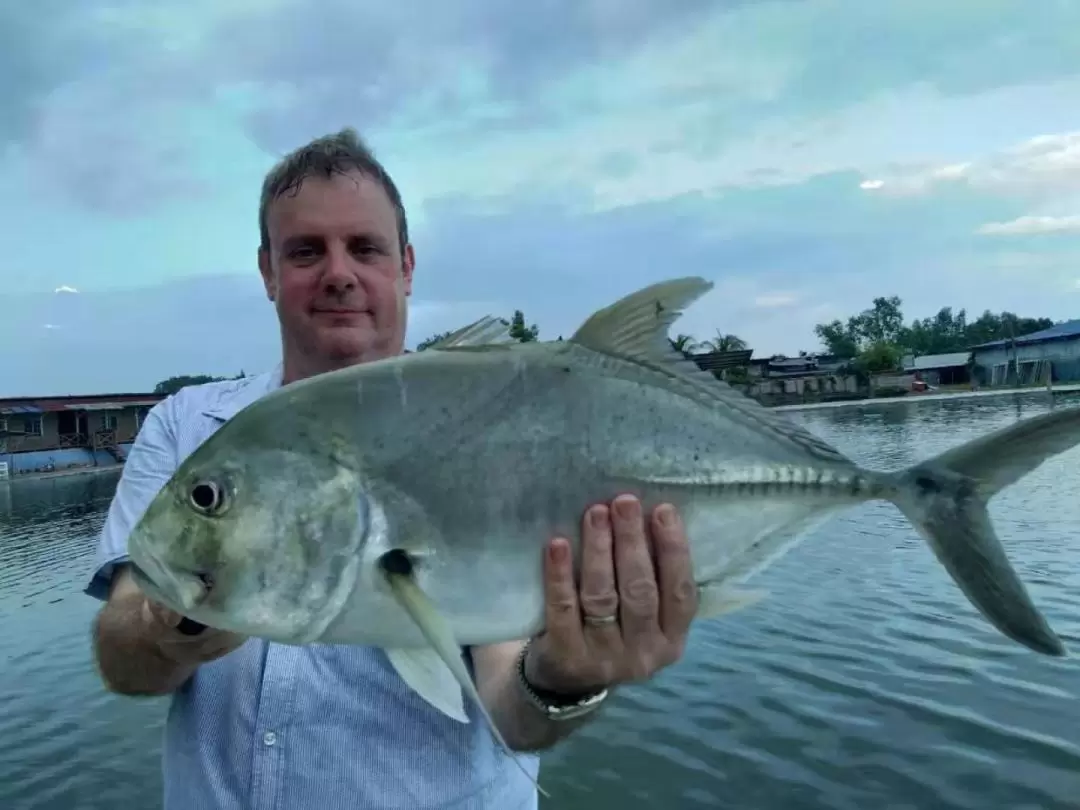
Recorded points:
(339, 152)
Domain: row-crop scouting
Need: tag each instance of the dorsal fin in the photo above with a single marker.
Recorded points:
(486, 331)
(635, 328)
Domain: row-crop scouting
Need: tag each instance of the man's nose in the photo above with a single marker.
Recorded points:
(338, 275)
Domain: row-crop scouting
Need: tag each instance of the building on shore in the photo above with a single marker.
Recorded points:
(1030, 359)
(783, 380)
(951, 368)
(719, 363)
(44, 434)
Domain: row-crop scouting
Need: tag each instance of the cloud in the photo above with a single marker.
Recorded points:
(805, 156)
(1038, 167)
(697, 95)
(1022, 226)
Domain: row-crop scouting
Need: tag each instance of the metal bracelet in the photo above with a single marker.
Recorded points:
(556, 707)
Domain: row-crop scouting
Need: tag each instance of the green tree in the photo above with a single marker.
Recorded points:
(878, 358)
(838, 338)
(174, 384)
(684, 343)
(520, 332)
(946, 331)
(723, 343)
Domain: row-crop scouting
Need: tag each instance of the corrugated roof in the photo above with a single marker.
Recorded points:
(928, 361)
(716, 361)
(10, 409)
(99, 406)
(72, 398)
(1056, 332)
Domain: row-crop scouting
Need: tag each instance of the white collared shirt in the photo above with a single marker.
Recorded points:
(277, 727)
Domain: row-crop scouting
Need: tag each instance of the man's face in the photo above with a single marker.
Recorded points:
(336, 273)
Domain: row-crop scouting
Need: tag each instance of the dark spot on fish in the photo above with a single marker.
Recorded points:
(927, 484)
(396, 561)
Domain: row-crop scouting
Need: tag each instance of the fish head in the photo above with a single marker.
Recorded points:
(261, 542)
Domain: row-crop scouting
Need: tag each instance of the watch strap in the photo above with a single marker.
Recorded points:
(554, 705)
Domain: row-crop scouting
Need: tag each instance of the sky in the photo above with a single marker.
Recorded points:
(805, 155)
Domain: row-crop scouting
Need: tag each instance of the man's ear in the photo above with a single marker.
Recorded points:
(266, 270)
(408, 263)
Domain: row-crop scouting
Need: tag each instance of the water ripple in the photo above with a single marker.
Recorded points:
(865, 680)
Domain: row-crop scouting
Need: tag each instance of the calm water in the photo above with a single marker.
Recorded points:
(865, 681)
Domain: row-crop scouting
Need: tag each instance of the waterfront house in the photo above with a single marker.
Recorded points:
(951, 368)
(720, 362)
(39, 434)
(1029, 359)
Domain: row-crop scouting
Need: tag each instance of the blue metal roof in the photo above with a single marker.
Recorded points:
(1058, 331)
(10, 409)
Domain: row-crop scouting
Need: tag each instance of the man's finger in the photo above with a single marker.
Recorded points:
(639, 601)
(153, 612)
(678, 592)
(598, 594)
(562, 612)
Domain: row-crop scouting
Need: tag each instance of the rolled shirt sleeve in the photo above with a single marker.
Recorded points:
(149, 465)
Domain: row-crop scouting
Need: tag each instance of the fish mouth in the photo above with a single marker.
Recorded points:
(181, 590)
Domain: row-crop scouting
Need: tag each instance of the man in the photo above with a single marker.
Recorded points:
(259, 725)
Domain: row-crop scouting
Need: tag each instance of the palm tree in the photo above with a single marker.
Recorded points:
(684, 343)
(724, 343)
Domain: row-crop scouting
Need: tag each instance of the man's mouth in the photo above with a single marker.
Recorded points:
(338, 311)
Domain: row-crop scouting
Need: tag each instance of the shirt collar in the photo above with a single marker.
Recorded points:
(232, 400)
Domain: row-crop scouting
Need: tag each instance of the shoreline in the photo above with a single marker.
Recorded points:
(67, 473)
(1066, 388)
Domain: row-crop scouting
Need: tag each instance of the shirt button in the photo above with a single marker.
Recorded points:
(269, 738)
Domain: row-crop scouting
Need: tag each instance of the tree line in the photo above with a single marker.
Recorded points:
(174, 384)
(877, 338)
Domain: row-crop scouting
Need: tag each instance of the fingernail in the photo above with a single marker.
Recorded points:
(559, 551)
(599, 517)
(665, 513)
(626, 506)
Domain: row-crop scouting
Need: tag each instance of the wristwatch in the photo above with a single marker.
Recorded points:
(553, 705)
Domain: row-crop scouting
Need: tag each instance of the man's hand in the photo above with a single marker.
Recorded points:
(161, 623)
(630, 616)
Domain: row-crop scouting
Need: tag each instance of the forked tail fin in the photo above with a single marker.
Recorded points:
(946, 499)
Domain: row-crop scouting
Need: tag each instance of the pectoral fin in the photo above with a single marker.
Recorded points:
(441, 638)
(716, 599)
(424, 671)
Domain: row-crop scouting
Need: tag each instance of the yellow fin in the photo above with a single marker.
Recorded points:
(421, 610)
(719, 600)
(426, 674)
(635, 328)
(637, 325)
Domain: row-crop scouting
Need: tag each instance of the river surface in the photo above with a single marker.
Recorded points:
(865, 681)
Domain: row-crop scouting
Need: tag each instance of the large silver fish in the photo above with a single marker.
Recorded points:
(405, 503)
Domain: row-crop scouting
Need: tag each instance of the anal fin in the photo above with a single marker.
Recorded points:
(719, 599)
(426, 674)
(439, 635)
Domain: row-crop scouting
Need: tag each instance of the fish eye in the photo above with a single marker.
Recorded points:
(207, 497)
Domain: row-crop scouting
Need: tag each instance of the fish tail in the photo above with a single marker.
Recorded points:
(946, 499)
